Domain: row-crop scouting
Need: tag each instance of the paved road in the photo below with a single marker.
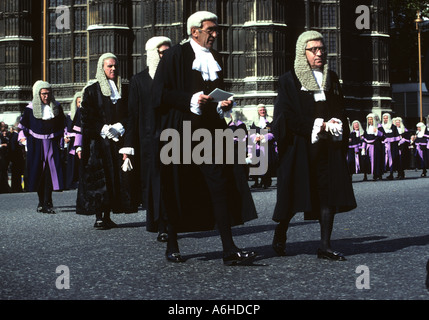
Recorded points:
(385, 240)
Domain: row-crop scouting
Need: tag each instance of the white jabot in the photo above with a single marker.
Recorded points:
(262, 123)
(115, 93)
(47, 112)
(205, 62)
(319, 95)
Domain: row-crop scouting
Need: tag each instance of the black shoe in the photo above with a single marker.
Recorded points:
(423, 175)
(280, 248)
(109, 224)
(335, 255)
(162, 237)
(39, 207)
(389, 177)
(100, 225)
(175, 257)
(48, 210)
(238, 258)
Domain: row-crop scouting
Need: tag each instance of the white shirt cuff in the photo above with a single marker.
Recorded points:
(195, 106)
(127, 150)
(318, 123)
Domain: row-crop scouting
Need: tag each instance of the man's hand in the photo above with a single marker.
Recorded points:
(204, 99)
(226, 105)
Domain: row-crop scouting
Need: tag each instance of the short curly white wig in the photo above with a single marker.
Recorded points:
(197, 19)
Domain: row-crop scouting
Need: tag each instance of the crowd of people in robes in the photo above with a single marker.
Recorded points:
(108, 146)
(387, 146)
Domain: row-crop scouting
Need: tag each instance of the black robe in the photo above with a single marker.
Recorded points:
(298, 183)
(140, 134)
(184, 189)
(103, 186)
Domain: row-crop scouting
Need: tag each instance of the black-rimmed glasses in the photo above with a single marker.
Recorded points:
(314, 50)
(210, 31)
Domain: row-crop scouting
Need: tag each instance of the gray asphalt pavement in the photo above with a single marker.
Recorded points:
(385, 241)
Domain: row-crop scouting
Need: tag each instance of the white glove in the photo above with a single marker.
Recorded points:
(127, 166)
(104, 131)
(336, 129)
(363, 152)
(115, 131)
(119, 128)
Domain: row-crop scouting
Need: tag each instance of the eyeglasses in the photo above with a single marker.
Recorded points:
(314, 50)
(210, 31)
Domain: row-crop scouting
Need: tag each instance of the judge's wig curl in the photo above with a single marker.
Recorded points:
(196, 20)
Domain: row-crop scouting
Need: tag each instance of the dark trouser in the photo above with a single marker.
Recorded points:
(216, 180)
(44, 191)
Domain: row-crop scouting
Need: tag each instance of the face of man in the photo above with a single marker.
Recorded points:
(111, 68)
(398, 123)
(316, 54)
(78, 100)
(385, 119)
(356, 126)
(45, 96)
(370, 121)
(206, 35)
(262, 112)
(161, 49)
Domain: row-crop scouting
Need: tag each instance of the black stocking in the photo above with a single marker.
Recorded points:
(326, 224)
(172, 244)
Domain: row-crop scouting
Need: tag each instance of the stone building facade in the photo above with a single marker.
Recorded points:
(61, 40)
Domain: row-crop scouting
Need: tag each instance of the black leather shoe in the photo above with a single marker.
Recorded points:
(162, 237)
(238, 258)
(39, 207)
(48, 210)
(109, 224)
(175, 257)
(335, 255)
(280, 248)
(99, 224)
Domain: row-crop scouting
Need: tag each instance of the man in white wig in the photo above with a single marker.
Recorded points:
(197, 196)
(403, 146)
(390, 142)
(420, 141)
(103, 186)
(311, 131)
(43, 124)
(142, 140)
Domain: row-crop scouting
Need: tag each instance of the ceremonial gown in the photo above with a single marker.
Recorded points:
(391, 148)
(103, 186)
(309, 175)
(184, 189)
(141, 135)
(43, 147)
(373, 146)
(354, 157)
